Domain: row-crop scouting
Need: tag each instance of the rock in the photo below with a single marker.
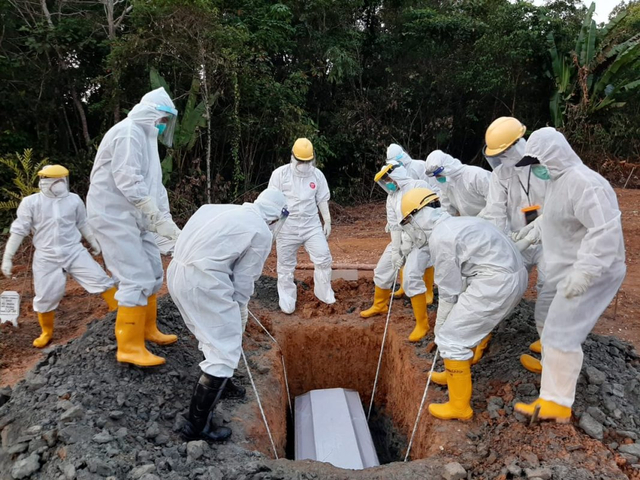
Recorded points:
(454, 471)
(595, 376)
(69, 471)
(74, 413)
(542, 473)
(26, 467)
(18, 448)
(631, 459)
(628, 434)
(121, 432)
(35, 381)
(96, 465)
(632, 449)
(531, 458)
(5, 395)
(102, 437)
(153, 431)
(116, 414)
(598, 414)
(138, 472)
(196, 449)
(514, 470)
(591, 426)
(150, 476)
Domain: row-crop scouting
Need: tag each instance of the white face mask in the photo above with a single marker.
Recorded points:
(54, 187)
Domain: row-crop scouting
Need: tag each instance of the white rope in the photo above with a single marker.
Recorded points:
(264, 417)
(284, 368)
(424, 397)
(384, 337)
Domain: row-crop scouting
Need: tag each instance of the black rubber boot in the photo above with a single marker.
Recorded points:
(204, 399)
(233, 390)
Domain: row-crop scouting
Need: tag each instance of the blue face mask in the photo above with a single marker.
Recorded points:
(392, 187)
(441, 179)
(541, 172)
(161, 127)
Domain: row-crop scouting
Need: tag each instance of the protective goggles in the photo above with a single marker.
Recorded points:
(277, 224)
(383, 178)
(436, 172)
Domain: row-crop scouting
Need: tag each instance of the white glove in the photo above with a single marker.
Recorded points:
(444, 309)
(9, 251)
(386, 228)
(523, 244)
(244, 315)
(326, 229)
(167, 229)
(150, 211)
(91, 239)
(532, 231)
(407, 245)
(576, 283)
(514, 236)
(397, 260)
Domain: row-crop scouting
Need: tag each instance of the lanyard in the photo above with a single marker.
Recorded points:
(526, 189)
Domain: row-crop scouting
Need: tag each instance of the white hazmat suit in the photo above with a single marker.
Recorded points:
(127, 201)
(306, 190)
(56, 223)
(466, 187)
(480, 277)
(584, 260)
(510, 190)
(217, 259)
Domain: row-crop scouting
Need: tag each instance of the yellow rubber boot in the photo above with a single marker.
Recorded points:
(380, 303)
(479, 349)
(46, 324)
(459, 381)
(548, 410)
(151, 331)
(109, 298)
(440, 378)
(130, 323)
(531, 363)
(536, 347)
(400, 292)
(428, 282)
(419, 304)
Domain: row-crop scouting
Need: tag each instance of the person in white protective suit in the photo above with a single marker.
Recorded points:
(417, 280)
(480, 276)
(516, 196)
(463, 188)
(307, 192)
(126, 204)
(584, 258)
(217, 259)
(57, 219)
(416, 169)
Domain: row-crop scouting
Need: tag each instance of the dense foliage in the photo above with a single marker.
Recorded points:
(352, 75)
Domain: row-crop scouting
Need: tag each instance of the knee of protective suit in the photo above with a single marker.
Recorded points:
(324, 265)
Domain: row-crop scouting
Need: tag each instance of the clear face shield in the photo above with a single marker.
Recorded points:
(411, 226)
(276, 225)
(167, 125)
(54, 187)
(303, 167)
(387, 183)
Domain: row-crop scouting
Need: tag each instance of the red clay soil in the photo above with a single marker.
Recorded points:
(358, 238)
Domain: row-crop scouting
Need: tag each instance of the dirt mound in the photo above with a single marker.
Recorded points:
(81, 415)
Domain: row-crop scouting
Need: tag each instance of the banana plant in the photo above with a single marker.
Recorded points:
(25, 180)
(190, 120)
(596, 75)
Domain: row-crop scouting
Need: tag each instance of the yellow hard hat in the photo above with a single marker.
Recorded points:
(53, 171)
(501, 134)
(415, 200)
(386, 170)
(303, 150)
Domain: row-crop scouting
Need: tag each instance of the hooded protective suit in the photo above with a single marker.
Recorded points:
(216, 261)
(583, 244)
(306, 190)
(416, 169)
(480, 275)
(56, 222)
(510, 190)
(418, 259)
(466, 187)
(126, 179)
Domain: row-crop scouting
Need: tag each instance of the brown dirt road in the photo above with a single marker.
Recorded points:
(358, 237)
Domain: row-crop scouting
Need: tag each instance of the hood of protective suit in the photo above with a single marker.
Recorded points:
(552, 150)
(510, 156)
(395, 153)
(302, 168)
(438, 158)
(270, 203)
(54, 187)
(146, 113)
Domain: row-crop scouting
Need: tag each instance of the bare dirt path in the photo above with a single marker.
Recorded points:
(358, 237)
